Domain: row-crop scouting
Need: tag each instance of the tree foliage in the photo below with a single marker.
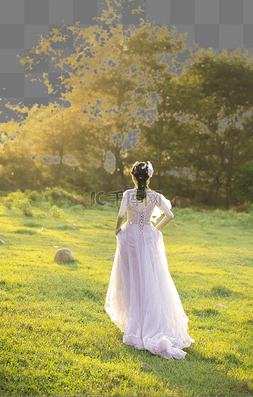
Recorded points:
(108, 81)
(197, 132)
(208, 121)
(244, 181)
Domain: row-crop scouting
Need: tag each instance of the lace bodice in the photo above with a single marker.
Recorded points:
(140, 212)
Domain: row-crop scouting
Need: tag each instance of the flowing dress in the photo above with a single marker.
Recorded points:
(142, 299)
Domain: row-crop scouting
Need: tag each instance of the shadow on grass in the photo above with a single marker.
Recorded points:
(70, 265)
(32, 224)
(206, 312)
(63, 228)
(73, 289)
(220, 290)
(88, 292)
(24, 231)
(189, 373)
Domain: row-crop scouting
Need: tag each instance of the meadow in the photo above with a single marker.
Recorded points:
(56, 338)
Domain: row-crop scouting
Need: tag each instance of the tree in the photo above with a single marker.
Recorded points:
(17, 169)
(54, 131)
(215, 95)
(120, 68)
(244, 181)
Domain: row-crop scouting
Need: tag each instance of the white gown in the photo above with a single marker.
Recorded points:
(142, 299)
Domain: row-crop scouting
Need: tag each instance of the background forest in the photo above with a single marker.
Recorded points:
(125, 95)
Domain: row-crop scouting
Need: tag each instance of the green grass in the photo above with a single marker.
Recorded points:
(57, 339)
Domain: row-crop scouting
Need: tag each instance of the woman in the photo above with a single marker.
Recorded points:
(142, 299)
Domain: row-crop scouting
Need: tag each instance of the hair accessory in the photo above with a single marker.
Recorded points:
(134, 169)
(150, 169)
(146, 166)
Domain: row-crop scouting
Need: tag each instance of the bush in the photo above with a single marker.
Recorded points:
(16, 196)
(56, 212)
(33, 196)
(7, 201)
(18, 200)
(8, 204)
(78, 208)
(61, 198)
(50, 197)
(242, 208)
(244, 181)
(25, 206)
(44, 205)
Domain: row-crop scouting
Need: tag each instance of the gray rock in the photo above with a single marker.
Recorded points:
(64, 255)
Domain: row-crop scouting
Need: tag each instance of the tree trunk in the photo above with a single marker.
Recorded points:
(61, 154)
(229, 200)
(117, 154)
(58, 175)
(210, 193)
(160, 157)
(123, 178)
(217, 191)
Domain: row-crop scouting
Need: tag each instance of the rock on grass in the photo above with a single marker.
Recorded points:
(64, 255)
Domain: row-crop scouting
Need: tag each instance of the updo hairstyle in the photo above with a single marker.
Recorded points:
(141, 179)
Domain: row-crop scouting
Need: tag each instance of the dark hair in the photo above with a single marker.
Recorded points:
(140, 177)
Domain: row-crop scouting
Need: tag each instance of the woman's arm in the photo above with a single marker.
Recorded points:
(119, 221)
(168, 217)
(122, 211)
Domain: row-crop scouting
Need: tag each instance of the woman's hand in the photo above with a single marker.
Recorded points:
(117, 231)
(119, 221)
(166, 219)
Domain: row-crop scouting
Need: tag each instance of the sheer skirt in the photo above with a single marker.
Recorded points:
(142, 299)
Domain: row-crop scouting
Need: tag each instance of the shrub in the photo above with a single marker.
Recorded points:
(50, 197)
(56, 212)
(43, 204)
(61, 198)
(78, 208)
(33, 196)
(16, 196)
(8, 204)
(7, 201)
(25, 206)
(244, 181)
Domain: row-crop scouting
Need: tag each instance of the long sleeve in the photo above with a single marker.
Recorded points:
(123, 205)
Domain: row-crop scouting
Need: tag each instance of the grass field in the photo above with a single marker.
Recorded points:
(56, 338)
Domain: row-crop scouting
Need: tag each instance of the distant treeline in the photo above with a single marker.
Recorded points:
(197, 132)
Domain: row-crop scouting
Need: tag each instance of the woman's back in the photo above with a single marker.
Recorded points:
(130, 203)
